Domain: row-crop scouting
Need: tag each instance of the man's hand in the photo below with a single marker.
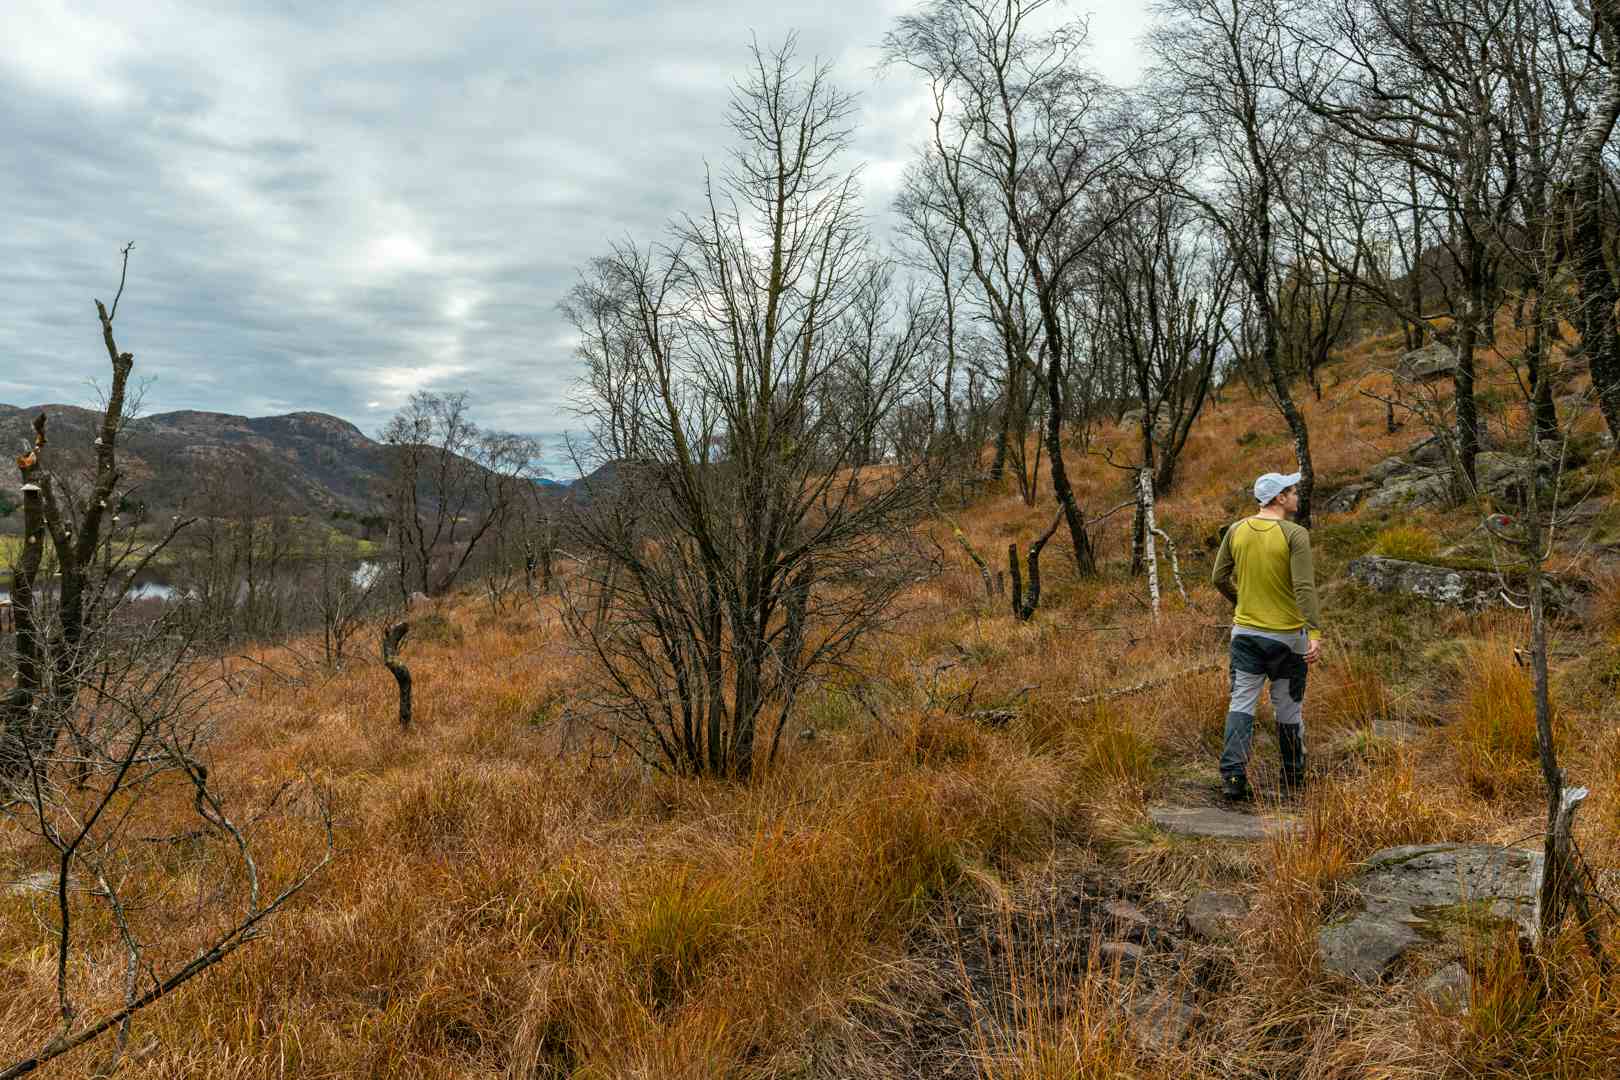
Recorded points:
(1314, 653)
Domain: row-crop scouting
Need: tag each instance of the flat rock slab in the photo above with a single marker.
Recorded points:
(1215, 914)
(1411, 893)
(1217, 824)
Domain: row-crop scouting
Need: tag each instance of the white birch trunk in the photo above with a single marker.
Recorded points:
(1150, 555)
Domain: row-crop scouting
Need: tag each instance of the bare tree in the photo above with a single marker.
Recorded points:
(1026, 136)
(1164, 283)
(1216, 72)
(451, 485)
(747, 547)
(110, 714)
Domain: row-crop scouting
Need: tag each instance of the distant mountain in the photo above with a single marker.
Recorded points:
(323, 462)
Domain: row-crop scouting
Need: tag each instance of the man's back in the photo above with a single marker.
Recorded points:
(1264, 567)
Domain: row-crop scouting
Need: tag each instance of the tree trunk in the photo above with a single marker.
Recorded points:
(1150, 555)
(391, 639)
(1024, 606)
(1600, 340)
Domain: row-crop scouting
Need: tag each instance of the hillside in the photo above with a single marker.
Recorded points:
(969, 865)
(318, 461)
(321, 461)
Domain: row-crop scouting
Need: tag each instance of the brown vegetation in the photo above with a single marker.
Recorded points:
(511, 900)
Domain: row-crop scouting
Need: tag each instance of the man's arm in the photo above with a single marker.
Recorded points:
(1303, 571)
(1221, 575)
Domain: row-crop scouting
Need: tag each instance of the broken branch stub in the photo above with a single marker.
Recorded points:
(391, 639)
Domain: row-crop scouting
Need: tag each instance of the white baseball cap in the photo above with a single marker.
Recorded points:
(1272, 484)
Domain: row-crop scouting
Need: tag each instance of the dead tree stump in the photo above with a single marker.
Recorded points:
(1024, 605)
(391, 639)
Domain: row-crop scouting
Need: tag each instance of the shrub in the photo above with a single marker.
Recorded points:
(1406, 542)
(437, 628)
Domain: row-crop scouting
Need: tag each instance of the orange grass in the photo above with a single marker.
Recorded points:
(506, 905)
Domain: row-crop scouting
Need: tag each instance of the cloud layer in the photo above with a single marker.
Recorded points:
(335, 205)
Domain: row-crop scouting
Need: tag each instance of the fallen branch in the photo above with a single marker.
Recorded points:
(967, 546)
(1147, 684)
(1175, 565)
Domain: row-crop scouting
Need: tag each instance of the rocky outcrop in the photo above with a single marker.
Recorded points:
(1411, 895)
(1465, 589)
(1426, 488)
(1421, 476)
(1433, 361)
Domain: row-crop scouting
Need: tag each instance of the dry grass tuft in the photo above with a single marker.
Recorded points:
(1411, 542)
(1495, 733)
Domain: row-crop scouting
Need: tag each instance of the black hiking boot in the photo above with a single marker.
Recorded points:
(1291, 745)
(1235, 789)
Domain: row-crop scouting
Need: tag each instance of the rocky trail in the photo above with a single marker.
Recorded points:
(1085, 936)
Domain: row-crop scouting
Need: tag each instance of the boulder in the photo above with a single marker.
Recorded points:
(1128, 920)
(1470, 590)
(1415, 489)
(1433, 361)
(1390, 466)
(1215, 914)
(1411, 894)
(1450, 988)
(1162, 1021)
(1343, 500)
(1121, 954)
(1467, 590)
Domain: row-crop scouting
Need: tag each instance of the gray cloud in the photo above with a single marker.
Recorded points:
(337, 204)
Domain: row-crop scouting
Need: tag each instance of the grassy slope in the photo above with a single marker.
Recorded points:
(502, 910)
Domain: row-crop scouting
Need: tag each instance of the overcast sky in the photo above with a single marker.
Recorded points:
(337, 203)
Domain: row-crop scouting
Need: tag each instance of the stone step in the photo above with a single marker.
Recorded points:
(1217, 824)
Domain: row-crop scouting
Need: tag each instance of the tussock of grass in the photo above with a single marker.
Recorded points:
(1495, 733)
(1412, 542)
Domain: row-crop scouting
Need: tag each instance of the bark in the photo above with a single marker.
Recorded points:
(32, 715)
(1085, 556)
(1600, 337)
(1144, 489)
(972, 553)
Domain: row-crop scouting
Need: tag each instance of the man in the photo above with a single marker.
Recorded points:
(1264, 567)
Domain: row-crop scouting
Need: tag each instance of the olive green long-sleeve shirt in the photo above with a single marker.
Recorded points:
(1264, 567)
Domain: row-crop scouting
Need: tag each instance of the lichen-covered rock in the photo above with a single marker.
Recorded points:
(1433, 361)
(1426, 488)
(1390, 466)
(1410, 893)
(1343, 500)
(1467, 590)
(1450, 988)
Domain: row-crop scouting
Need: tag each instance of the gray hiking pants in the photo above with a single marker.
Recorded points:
(1257, 660)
